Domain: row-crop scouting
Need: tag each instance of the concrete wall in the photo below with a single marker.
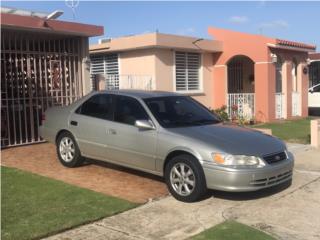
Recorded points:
(159, 63)
(137, 62)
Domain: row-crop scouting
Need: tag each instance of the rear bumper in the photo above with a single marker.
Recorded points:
(47, 134)
(244, 180)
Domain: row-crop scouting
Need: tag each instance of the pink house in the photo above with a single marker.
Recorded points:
(260, 78)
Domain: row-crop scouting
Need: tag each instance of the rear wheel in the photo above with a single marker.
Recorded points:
(68, 150)
(185, 178)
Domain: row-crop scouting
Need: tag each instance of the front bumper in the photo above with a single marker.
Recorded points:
(243, 180)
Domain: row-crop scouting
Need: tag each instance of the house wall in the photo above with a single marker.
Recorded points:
(258, 49)
(137, 62)
(159, 63)
(165, 75)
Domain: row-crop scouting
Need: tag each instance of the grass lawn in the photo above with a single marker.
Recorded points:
(231, 230)
(297, 131)
(34, 206)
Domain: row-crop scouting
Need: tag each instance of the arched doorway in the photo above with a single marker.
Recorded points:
(241, 87)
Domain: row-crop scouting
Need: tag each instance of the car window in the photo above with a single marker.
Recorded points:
(99, 106)
(128, 110)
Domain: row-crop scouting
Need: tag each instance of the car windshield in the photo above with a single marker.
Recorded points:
(180, 111)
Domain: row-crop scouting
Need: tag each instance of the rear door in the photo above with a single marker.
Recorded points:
(127, 143)
(89, 124)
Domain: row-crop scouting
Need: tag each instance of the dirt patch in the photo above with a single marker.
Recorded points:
(101, 177)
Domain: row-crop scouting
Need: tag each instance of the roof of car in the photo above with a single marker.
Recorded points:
(141, 93)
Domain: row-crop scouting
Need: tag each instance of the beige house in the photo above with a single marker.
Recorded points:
(157, 61)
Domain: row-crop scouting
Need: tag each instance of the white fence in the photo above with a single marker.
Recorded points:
(241, 104)
(280, 105)
(296, 104)
(115, 81)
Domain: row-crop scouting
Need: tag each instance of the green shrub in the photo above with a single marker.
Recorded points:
(221, 113)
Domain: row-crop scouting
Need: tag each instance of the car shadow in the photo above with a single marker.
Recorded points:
(245, 196)
(124, 169)
(233, 196)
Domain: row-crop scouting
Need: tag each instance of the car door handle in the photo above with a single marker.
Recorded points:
(74, 123)
(111, 131)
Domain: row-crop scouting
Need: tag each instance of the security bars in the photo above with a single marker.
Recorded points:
(38, 71)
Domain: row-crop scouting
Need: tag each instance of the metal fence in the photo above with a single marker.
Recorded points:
(241, 105)
(296, 104)
(37, 72)
(116, 81)
(280, 105)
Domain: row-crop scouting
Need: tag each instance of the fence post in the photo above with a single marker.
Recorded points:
(315, 133)
(100, 82)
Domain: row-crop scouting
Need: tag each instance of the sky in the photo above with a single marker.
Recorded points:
(296, 21)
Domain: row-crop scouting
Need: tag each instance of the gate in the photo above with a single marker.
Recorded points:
(280, 105)
(296, 104)
(37, 71)
(241, 105)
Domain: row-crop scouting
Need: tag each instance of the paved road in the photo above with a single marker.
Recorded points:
(290, 213)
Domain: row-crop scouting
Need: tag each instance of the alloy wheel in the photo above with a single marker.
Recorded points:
(67, 149)
(182, 179)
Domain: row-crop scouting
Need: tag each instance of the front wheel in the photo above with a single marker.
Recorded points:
(68, 150)
(185, 178)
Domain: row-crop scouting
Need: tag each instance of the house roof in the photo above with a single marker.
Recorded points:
(295, 44)
(35, 23)
(157, 40)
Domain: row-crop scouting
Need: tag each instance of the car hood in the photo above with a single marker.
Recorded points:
(232, 139)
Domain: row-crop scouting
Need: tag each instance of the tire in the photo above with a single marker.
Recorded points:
(68, 150)
(181, 187)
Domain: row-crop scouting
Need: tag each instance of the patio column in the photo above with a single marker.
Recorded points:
(219, 86)
(264, 91)
(303, 85)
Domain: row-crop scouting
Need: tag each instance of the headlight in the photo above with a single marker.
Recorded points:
(237, 161)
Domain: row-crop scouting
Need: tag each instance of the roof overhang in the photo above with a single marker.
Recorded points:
(157, 40)
(291, 48)
(32, 23)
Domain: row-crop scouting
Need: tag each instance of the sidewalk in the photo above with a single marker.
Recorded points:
(293, 213)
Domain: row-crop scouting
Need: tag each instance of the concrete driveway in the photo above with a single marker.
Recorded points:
(286, 212)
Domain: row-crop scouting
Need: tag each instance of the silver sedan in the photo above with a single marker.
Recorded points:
(170, 135)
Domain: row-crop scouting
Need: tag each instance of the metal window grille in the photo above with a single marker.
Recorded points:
(37, 71)
(187, 71)
(235, 76)
(105, 65)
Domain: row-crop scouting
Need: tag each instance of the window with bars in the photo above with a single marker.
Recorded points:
(187, 71)
(106, 65)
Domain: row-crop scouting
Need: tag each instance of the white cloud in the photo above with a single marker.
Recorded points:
(186, 31)
(274, 24)
(238, 19)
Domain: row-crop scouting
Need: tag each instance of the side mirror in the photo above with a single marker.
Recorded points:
(144, 124)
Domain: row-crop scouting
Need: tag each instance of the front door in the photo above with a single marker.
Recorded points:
(127, 143)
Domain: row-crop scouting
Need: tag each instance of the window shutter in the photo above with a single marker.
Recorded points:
(187, 71)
